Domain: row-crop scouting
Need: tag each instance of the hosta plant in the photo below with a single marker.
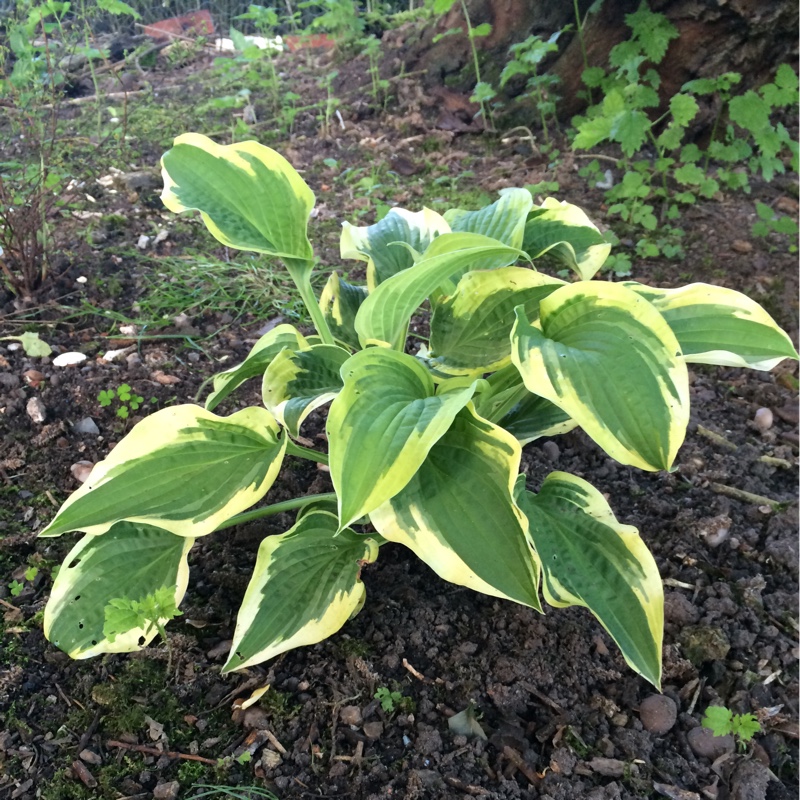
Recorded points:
(423, 442)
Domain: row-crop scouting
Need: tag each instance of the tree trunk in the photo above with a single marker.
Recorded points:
(752, 37)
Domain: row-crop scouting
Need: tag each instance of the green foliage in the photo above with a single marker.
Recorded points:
(127, 399)
(424, 441)
(769, 222)
(655, 187)
(525, 61)
(721, 721)
(391, 700)
(152, 611)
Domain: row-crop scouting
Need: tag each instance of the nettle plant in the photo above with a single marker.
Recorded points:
(424, 447)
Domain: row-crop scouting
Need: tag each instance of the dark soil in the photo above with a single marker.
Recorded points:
(563, 714)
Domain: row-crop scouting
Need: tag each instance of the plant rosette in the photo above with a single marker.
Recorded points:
(424, 448)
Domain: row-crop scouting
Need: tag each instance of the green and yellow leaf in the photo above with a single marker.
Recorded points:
(534, 417)
(305, 586)
(503, 220)
(255, 365)
(563, 232)
(339, 303)
(382, 425)
(129, 561)
(249, 196)
(470, 330)
(384, 315)
(182, 469)
(589, 559)
(458, 515)
(608, 359)
(378, 244)
(297, 382)
(714, 325)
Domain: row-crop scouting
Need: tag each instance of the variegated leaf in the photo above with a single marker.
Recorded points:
(609, 360)
(563, 232)
(458, 515)
(382, 425)
(249, 196)
(714, 325)
(589, 559)
(129, 561)
(384, 315)
(305, 586)
(182, 469)
(339, 303)
(378, 244)
(297, 382)
(256, 363)
(470, 329)
(534, 417)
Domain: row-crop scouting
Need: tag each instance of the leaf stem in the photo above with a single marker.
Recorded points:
(276, 508)
(300, 272)
(294, 449)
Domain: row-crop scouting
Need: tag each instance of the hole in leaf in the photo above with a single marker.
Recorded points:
(77, 597)
(74, 563)
(80, 625)
(141, 642)
(94, 641)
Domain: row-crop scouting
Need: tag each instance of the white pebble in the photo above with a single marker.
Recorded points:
(69, 359)
(763, 420)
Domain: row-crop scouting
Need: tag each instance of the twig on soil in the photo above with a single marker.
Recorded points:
(154, 751)
(543, 698)
(66, 700)
(716, 438)
(772, 461)
(468, 788)
(745, 497)
(89, 732)
(596, 155)
(415, 672)
(516, 759)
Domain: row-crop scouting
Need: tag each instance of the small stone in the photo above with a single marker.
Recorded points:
(619, 720)
(33, 378)
(741, 246)
(86, 427)
(90, 757)
(609, 767)
(255, 718)
(8, 381)
(763, 420)
(36, 410)
(142, 242)
(270, 759)
(703, 643)
(658, 714)
(705, 745)
(81, 470)
(167, 791)
(551, 451)
(373, 730)
(163, 378)
(351, 715)
(140, 181)
(69, 359)
(787, 205)
(220, 650)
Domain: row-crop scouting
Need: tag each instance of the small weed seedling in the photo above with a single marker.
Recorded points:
(125, 396)
(722, 721)
(15, 587)
(392, 701)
